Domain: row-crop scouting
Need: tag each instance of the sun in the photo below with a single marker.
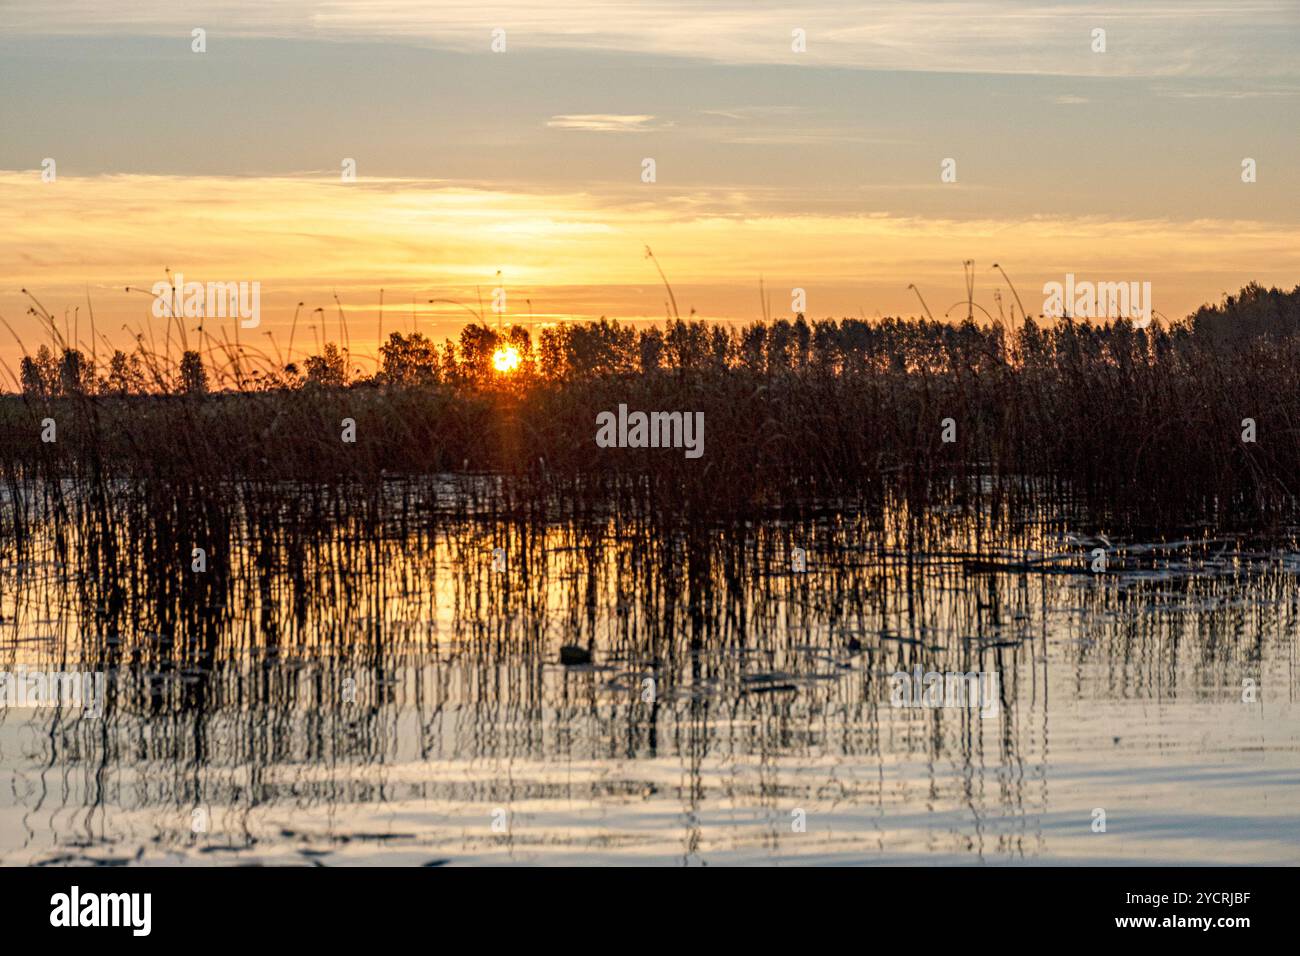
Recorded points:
(506, 359)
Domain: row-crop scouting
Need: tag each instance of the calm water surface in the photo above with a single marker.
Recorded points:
(338, 693)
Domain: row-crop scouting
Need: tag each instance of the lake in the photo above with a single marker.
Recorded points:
(388, 687)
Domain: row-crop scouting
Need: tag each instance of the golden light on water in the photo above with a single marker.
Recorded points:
(506, 359)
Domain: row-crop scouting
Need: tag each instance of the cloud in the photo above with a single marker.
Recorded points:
(1251, 39)
(602, 122)
(1227, 94)
(572, 252)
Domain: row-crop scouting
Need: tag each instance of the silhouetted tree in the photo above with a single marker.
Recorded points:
(194, 377)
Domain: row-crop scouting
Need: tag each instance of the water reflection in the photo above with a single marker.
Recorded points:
(358, 681)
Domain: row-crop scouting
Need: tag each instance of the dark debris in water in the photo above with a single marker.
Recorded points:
(571, 654)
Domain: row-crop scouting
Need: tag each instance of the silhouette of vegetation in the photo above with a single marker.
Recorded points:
(1129, 426)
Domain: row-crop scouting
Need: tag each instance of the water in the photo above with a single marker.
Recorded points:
(340, 690)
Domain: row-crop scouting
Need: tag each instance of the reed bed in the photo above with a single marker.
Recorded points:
(322, 654)
(350, 614)
(1122, 428)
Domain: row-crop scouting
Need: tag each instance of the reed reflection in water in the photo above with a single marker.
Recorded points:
(361, 684)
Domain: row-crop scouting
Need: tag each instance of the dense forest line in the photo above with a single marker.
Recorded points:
(1194, 422)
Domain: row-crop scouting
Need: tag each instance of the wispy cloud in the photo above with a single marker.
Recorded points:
(603, 122)
(1228, 94)
(570, 251)
(1252, 39)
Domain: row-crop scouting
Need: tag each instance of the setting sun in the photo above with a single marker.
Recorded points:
(506, 359)
(650, 434)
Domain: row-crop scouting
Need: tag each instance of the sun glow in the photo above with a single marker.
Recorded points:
(506, 359)
(582, 255)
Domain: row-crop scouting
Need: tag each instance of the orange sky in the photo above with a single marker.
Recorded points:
(571, 254)
(817, 170)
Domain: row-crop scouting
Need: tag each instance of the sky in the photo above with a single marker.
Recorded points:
(522, 169)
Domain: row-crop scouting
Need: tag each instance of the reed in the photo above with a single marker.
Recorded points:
(1120, 428)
